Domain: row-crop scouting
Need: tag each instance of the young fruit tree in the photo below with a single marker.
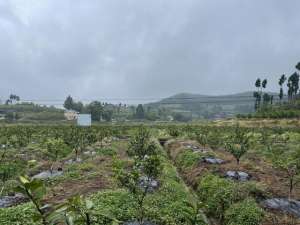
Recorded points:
(238, 144)
(80, 210)
(56, 149)
(287, 159)
(35, 190)
(201, 139)
(146, 169)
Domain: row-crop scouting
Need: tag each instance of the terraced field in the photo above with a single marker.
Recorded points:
(152, 175)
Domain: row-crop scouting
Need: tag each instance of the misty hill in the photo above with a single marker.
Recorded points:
(208, 106)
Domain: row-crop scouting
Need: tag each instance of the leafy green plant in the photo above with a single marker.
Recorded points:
(7, 171)
(217, 194)
(188, 159)
(202, 139)
(287, 159)
(35, 191)
(141, 145)
(174, 132)
(80, 210)
(214, 140)
(246, 212)
(147, 166)
(238, 144)
(56, 149)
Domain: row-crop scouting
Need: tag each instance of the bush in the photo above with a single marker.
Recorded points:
(188, 159)
(217, 194)
(106, 152)
(246, 212)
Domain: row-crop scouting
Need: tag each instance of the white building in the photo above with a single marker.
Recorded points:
(71, 115)
(84, 120)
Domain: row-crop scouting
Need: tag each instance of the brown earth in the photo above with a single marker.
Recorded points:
(274, 182)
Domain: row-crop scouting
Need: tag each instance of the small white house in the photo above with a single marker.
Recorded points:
(71, 115)
(84, 120)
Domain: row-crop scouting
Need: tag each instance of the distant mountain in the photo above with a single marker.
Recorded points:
(208, 106)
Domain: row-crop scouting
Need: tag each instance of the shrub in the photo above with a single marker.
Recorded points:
(217, 194)
(188, 159)
(246, 212)
(106, 152)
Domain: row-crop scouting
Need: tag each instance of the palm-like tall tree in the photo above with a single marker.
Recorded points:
(257, 94)
(281, 82)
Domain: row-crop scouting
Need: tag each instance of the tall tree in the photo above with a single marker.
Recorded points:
(298, 66)
(264, 83)
(257, 94)
(265, 96)
(258, 83)
(13, 98)
(69, 103)
(140, 113)
(78, 106)
(96, 110)
(293, 85)
(281, 82)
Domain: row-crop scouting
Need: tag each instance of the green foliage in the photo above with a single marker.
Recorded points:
(19, 215)
(174, 131)
(188, 159)
(68, 104)
(201, 138)
(238, 144)
(147, 167)
(7, 171)
(79, 210)
(96, 110)
(246, 212)
(35, 191)
(141, 145)
(56, 148)
(287, 158)
(106, 151)
(140, 114)
(217, 194)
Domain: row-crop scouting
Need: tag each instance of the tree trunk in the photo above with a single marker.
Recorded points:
(291, 187)
(88, 219)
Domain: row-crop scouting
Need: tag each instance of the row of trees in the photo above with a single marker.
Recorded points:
(12, 98)
(263, 98)
(99, 111)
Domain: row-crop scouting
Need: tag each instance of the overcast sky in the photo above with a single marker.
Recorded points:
(144, 48)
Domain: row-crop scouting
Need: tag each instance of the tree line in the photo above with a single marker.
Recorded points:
(99, 111)
(263, 98)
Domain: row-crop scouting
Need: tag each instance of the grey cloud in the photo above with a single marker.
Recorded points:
(140, 48)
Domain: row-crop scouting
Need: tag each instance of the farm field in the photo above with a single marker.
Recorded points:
(150, 174)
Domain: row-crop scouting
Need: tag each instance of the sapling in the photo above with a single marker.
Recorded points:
(149, 169)
(174, 132)
(4, 143)
(140, 144)
(201, 139)
(214, 140)
(287, 159)
(101, 135)
(7, 171)
(77, 210)
(238, 144)
(75, 139)
(147, 165)
(35, 190)
(56, 149)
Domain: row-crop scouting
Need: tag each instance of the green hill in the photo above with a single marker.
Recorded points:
(208, 106)
(29, 112)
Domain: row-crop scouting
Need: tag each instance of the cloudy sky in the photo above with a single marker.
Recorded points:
(95, 49)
